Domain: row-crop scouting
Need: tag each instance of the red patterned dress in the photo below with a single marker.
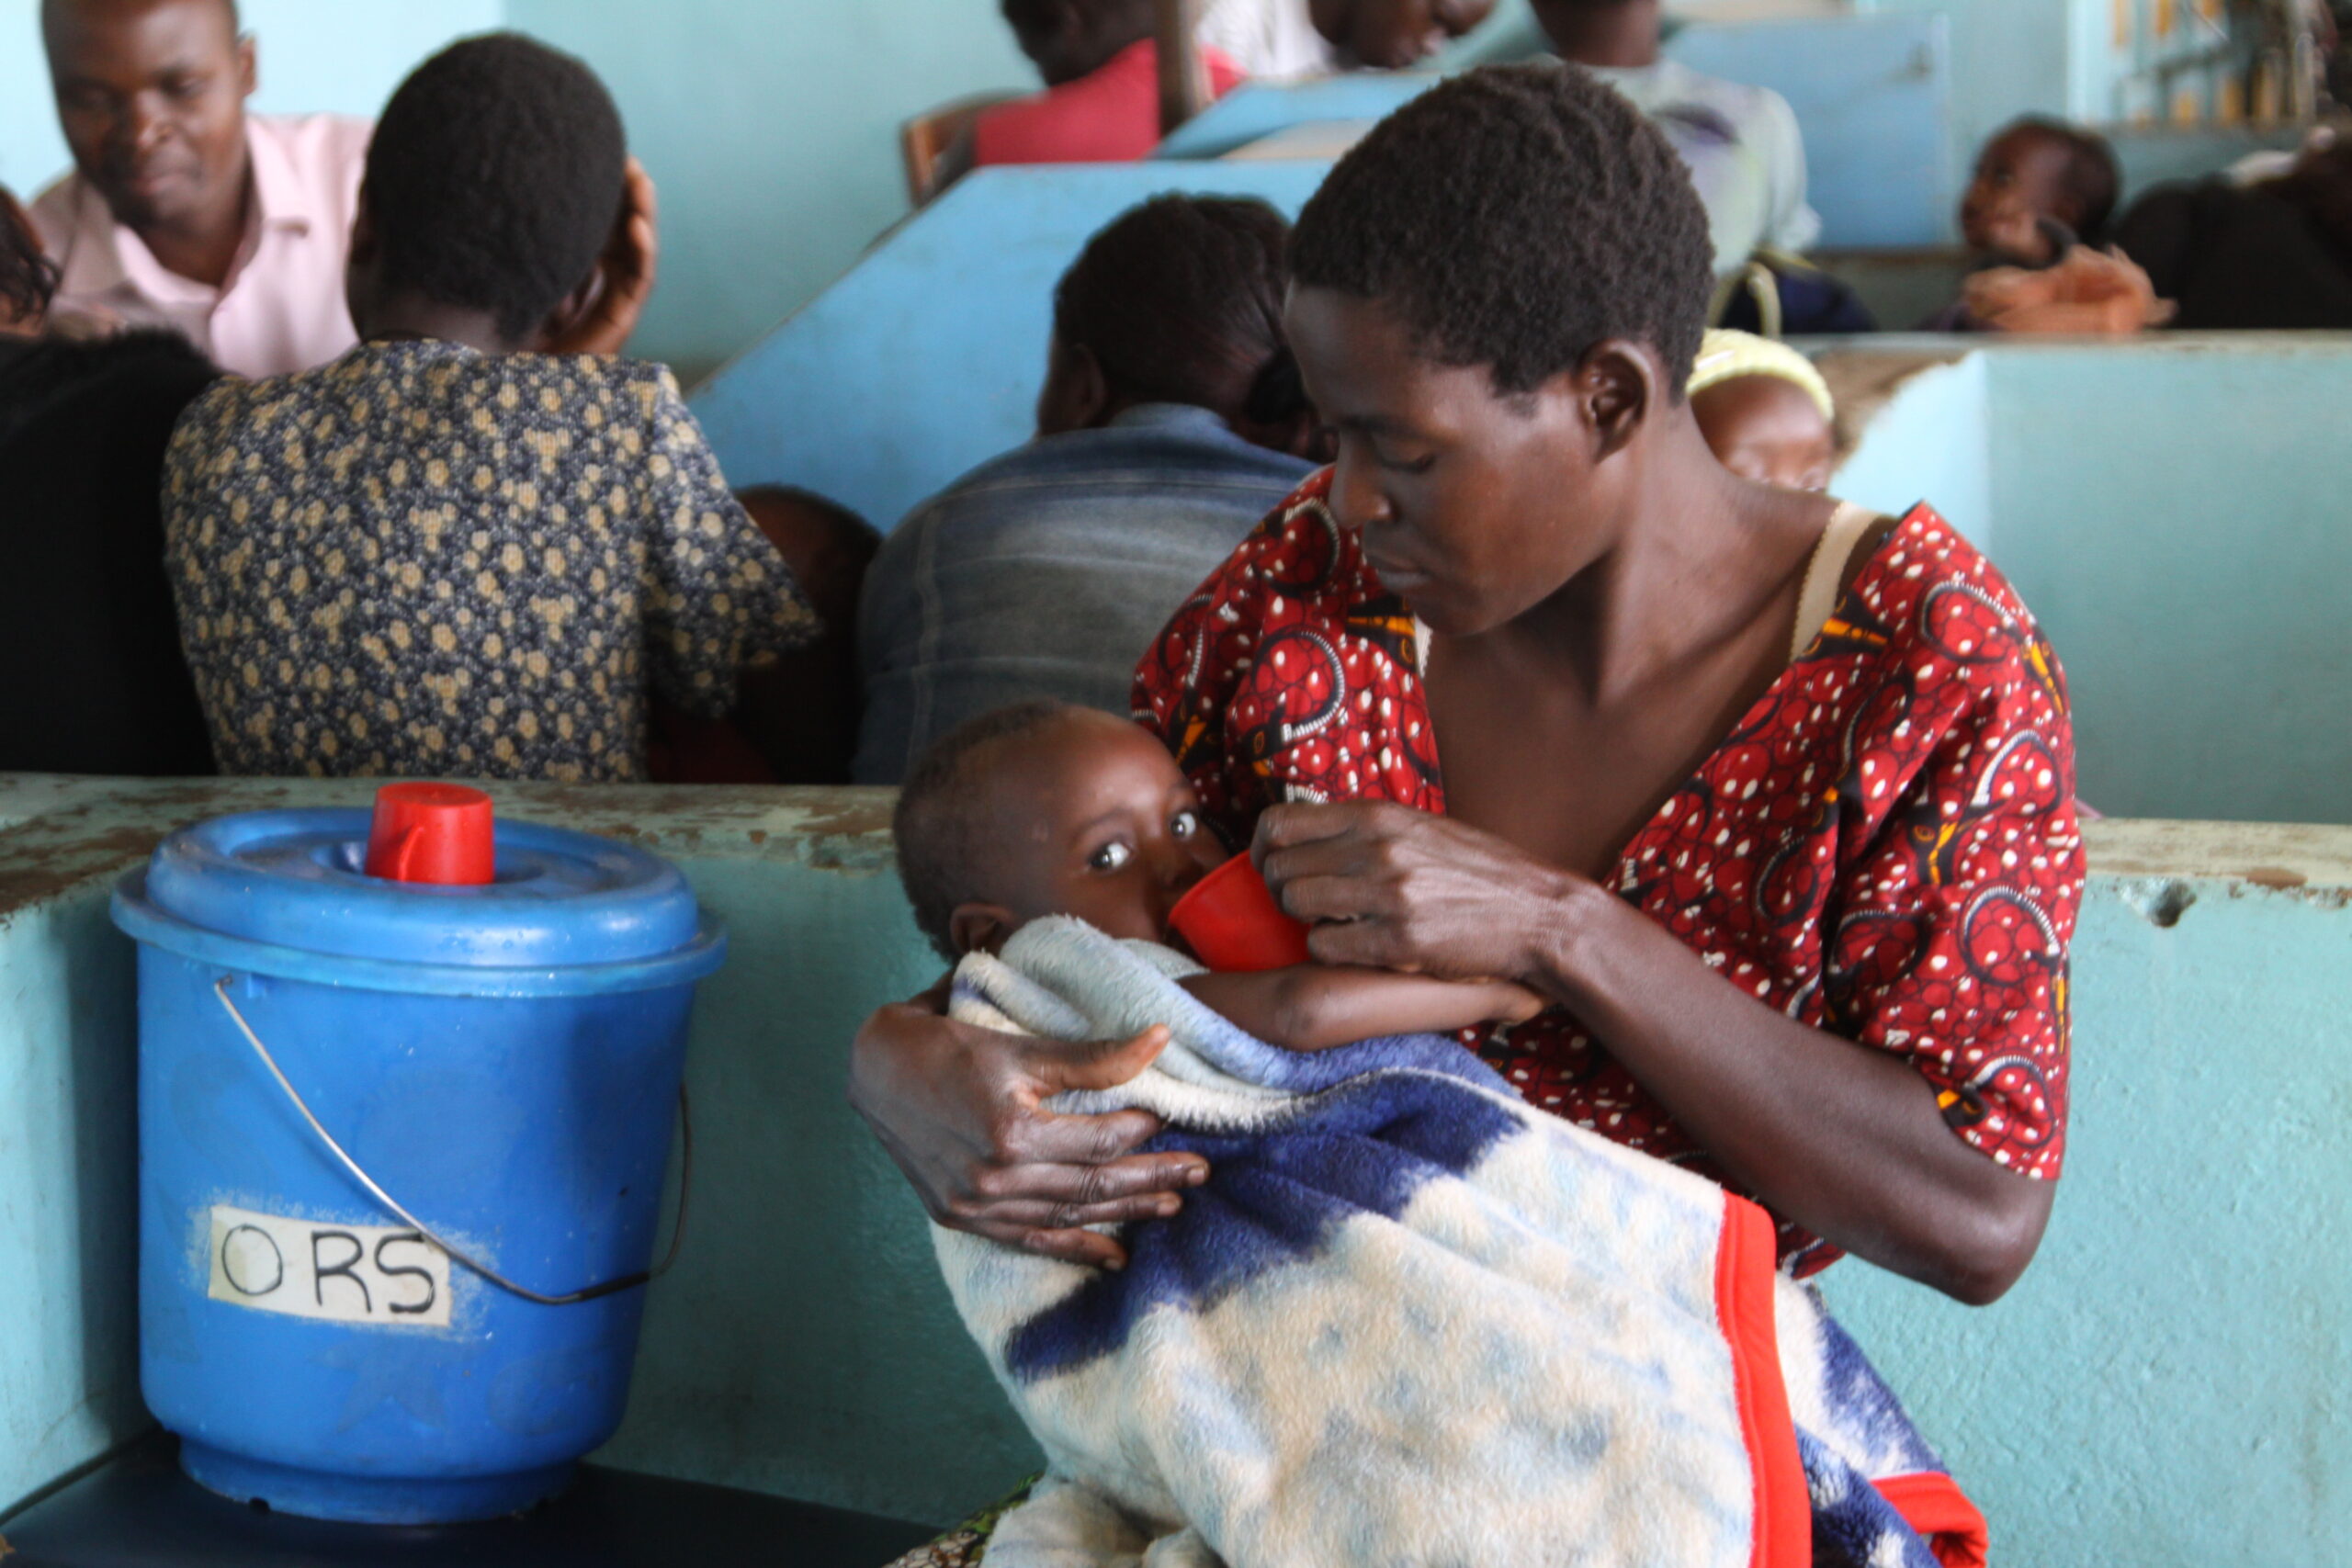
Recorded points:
(1885, 847)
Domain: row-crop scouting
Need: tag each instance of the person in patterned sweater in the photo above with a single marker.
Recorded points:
(461, 549)
(1771, 798)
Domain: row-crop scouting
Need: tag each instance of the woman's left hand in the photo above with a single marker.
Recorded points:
(1400, 889)
(631, 261)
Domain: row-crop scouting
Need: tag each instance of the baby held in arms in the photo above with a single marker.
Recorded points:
(1048, 808)
(1406, 1317)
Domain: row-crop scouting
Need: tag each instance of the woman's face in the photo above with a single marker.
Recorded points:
(1390, 35)
(1473, 505)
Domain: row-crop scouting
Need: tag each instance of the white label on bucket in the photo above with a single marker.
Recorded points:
(376, 1274)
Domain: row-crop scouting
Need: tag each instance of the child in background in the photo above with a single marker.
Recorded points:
(458, 550)
(1765, 411)
(1049, 808)
(2036, 215)
(2041, 188)
(828, 548)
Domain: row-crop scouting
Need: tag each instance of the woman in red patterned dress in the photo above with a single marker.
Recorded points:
(1527, 685)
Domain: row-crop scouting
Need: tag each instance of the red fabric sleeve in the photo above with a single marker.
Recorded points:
(1185, 687)
(1952, 933)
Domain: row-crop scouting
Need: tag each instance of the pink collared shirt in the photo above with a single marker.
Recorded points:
(282, 308)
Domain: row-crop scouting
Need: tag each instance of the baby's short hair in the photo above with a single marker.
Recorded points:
(941, 826)
(2094, 178)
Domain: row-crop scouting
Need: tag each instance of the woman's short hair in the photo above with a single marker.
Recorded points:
(28, 278)
(495, 177)
(1513, 217)
(1180, 300)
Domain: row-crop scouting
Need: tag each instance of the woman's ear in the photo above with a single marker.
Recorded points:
(1077, 394)
(1301, 434)
(569, 313)
(359, 264)
(982, 928)
(1620, 385)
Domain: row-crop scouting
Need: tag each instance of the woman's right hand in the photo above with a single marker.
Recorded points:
(961, 1110)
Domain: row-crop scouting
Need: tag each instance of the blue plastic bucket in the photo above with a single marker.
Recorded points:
(500, 1062)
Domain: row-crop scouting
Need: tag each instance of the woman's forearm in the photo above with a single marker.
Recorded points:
(1845, 1139)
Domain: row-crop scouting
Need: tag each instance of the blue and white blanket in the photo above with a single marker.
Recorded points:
(1411, 1320)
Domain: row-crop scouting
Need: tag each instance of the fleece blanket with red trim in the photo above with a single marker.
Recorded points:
(1411, 1320)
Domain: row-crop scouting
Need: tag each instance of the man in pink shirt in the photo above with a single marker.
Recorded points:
(183, 211)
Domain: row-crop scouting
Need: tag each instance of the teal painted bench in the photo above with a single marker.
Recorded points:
(2166, 1386)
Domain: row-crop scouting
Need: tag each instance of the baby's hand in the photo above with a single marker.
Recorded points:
(2017, 236)
(1517, 1004)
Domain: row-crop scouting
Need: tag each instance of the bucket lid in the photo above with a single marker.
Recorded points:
(294, 880)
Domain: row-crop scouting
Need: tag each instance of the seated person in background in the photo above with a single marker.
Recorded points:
(230, 229)
(1765, 411)
(452, 552)
(91, 676)
(1101, 99)
(1171, 421)
(1746, 154)
(183, 211)
(829, 547)
(1047, 809)
(1310, 38)
(2041, 188)
(2277, 253)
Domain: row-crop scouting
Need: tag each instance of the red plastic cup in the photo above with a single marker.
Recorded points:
(1232, 924)
(432, 833)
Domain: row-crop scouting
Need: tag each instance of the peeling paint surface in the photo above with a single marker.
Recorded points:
(2168, 1385)
(2173, 514)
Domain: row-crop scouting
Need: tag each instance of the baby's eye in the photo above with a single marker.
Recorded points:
(1111, 856)
(1185, 824)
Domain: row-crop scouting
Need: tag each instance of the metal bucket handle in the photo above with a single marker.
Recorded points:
(610, 1287)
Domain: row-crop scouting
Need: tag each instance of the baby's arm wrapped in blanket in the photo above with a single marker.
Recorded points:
(1320, 1007)
(1409, 1319)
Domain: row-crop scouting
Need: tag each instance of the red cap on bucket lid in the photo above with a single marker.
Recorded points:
(432, 833)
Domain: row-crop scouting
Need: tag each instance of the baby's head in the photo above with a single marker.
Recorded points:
(1048, 808)
(2036, 171)
(1764, 409)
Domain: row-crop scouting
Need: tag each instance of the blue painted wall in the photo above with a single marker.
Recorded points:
(346, 57)
(2168, 1386)
(2170, 1383)
(2172, 510)
(1870, 94)
(2009, 57)
(771, 126)
(926, 359)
